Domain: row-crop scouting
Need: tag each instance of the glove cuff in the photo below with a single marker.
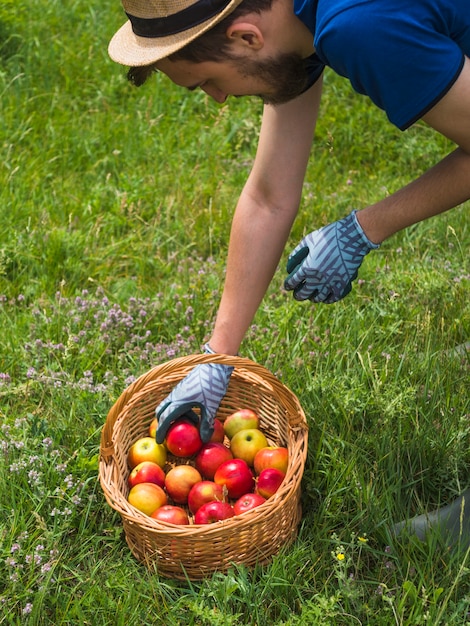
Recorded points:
(208, 350)
(362, 234)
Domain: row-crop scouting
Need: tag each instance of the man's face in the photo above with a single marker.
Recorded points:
(275, 81)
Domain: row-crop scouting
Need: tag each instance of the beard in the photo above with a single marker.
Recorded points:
(285, 77)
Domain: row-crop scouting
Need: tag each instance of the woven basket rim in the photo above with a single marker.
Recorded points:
(239, 363)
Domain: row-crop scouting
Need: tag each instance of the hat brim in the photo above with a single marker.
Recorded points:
(129, 49)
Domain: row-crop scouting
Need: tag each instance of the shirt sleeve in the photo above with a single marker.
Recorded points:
(402, 62)
(314, 68)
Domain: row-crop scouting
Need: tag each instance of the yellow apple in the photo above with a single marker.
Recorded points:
(246, 443)
(146, 449)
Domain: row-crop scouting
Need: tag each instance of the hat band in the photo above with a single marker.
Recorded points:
(199, 12)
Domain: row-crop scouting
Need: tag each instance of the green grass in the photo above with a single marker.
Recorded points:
(115, 209)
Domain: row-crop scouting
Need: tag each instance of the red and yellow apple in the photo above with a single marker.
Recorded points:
(212, 512)
(271, 456)
(269, 481)
(146, 472)
(218, 435)
(171, 514)
(146, 449)
(183, 439)
(203, 492)
(236, 476)
(246, 443)
(210, 456)
(147, 497)
(179, 481)
(240, 420)
(247, 502)
(153, 427)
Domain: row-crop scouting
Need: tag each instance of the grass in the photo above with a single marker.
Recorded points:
(115, 211)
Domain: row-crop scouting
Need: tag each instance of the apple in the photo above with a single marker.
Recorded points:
(171, 514)
(146, 472)
(271, 456)
(212, 512)
(203, 492)
(179, 480)
(218, 435)
(147, 497)
(269, 481)
(240, 420)
(183, 439)
(210, 456)
(146, 449)
(247, 502)
(236, 476)
(153, 427)
(246, 443)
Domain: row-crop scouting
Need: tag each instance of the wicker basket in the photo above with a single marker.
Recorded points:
(197, 551)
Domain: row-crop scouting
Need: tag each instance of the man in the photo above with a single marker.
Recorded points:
(410, 58)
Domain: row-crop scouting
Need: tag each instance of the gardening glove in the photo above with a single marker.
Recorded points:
(324, 264)
(204, 387)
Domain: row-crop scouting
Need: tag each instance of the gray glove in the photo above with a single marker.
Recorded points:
(324, 264)
(204, 387)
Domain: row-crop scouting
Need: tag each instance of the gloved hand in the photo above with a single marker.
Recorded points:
(203, 387)
(324, 264)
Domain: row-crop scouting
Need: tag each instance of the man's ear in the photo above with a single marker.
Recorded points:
(246, 34)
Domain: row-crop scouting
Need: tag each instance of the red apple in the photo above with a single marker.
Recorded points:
(179, 481)
(210, 456)
(236, 476)
(147, 497)
(271, 456)
(247, 502)
(171, 514)
(240, 420)
(212, 512)
(246, 443)
(269, 481)
(153, 427)
(218, 435)
(146, 472)
(183, 439)
(203, 492)
(146, 449)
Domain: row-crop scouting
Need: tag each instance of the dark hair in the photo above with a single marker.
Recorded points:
(210, 46)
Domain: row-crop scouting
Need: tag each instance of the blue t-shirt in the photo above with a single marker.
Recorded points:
(404, 54)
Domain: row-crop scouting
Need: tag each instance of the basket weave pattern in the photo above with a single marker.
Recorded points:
(197, 551)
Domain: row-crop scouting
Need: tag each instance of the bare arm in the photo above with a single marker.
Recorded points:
(442, 187)
(264, 214)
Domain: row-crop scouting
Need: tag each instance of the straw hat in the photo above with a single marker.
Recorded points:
(157, 28)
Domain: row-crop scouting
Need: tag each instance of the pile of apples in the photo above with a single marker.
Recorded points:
(236, 471)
